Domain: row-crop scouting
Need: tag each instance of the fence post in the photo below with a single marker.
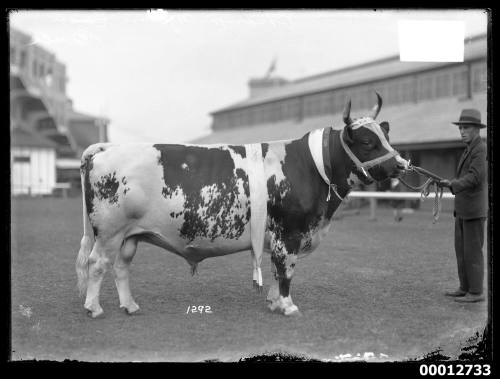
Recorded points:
(373, 209)
(373, 203)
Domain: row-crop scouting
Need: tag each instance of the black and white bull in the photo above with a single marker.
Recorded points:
(196, 201)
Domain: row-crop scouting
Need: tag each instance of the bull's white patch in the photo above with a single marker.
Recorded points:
(274, 160)
(370, 124)
(212, 192)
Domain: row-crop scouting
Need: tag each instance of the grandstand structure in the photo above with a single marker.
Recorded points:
(47, 134)
(421, 99)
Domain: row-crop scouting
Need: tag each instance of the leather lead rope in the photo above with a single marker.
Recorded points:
(425, 189)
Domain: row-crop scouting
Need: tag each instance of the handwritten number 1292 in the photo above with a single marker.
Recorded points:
(199, 309)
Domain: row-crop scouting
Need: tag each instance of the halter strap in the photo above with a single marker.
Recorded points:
(365, 166)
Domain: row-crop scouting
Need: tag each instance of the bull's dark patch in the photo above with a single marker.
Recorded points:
(124, 182)
(210, 187)
(246, 186)
(107, 188)
(295, 210)
(86, 167)
(284, 286)
(239, 150)
(265, 149)
(175, 215)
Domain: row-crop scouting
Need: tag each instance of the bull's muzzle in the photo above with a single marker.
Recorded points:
(402, 165)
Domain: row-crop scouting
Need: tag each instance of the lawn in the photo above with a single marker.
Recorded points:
(372, 287)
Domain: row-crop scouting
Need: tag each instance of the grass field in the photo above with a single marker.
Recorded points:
(371, 287)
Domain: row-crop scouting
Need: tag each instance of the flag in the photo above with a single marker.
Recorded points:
(271, 68)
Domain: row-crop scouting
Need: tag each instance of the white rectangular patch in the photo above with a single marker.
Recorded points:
(258, 196)
(431, 40)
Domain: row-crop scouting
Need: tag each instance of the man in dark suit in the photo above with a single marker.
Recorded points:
(471, 193)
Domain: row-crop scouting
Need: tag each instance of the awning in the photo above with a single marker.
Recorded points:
(67, 163)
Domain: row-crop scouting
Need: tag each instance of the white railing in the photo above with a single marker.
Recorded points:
(63, 187)
(373, 196)
(393, 195)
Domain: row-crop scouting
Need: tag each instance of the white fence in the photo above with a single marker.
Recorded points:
(393, 195)
(373, 196)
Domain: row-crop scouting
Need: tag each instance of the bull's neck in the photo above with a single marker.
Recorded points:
(342, 166)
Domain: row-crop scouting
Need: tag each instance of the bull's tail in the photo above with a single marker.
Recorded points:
(86, 244)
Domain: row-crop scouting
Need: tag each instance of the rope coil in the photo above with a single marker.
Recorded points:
(425, 189)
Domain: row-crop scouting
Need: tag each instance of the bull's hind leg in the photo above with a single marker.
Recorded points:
(257, 272)
(99, 261)
(285, 267)
(122, 274)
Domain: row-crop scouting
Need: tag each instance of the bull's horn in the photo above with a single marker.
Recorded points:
(347, 113)
(377, 107)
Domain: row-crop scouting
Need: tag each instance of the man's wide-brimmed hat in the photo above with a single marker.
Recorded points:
(470, 117)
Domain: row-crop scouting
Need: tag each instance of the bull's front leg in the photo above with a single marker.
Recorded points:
(284, 263)
(274, 291)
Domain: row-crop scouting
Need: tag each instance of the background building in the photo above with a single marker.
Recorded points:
(33, 163)
(43, 123)
(421, 99)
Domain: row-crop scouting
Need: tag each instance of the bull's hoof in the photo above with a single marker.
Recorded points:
(292, 311)
(95, 313)
(132, 309)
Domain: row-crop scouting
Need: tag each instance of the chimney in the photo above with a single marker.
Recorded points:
(259, 86)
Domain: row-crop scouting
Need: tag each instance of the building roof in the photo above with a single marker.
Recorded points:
(21, 137)
(76, 115)
(421, 123)
(83, 131)
(475, 47)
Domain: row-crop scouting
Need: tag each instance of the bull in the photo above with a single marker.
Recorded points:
(203, 201)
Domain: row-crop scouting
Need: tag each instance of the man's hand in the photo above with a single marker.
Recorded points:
(444, 183)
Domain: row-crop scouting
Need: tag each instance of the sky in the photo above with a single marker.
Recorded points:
(157, 74)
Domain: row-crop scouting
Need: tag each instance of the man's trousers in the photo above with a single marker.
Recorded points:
(469, 240)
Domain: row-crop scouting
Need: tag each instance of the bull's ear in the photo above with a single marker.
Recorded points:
(385, 125)
(348, 137)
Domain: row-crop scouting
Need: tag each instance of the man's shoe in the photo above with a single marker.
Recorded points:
(457, 293)
(470, 298)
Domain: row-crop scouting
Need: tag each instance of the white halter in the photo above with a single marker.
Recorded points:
(370, 124)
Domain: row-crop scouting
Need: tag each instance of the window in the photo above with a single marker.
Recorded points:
(443, 85)
(12, 55)
(425, 87)
(479, 78)
(459, 82)
(22, 59)
(22, 159)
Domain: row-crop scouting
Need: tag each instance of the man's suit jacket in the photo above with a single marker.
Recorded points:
(470, 187)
